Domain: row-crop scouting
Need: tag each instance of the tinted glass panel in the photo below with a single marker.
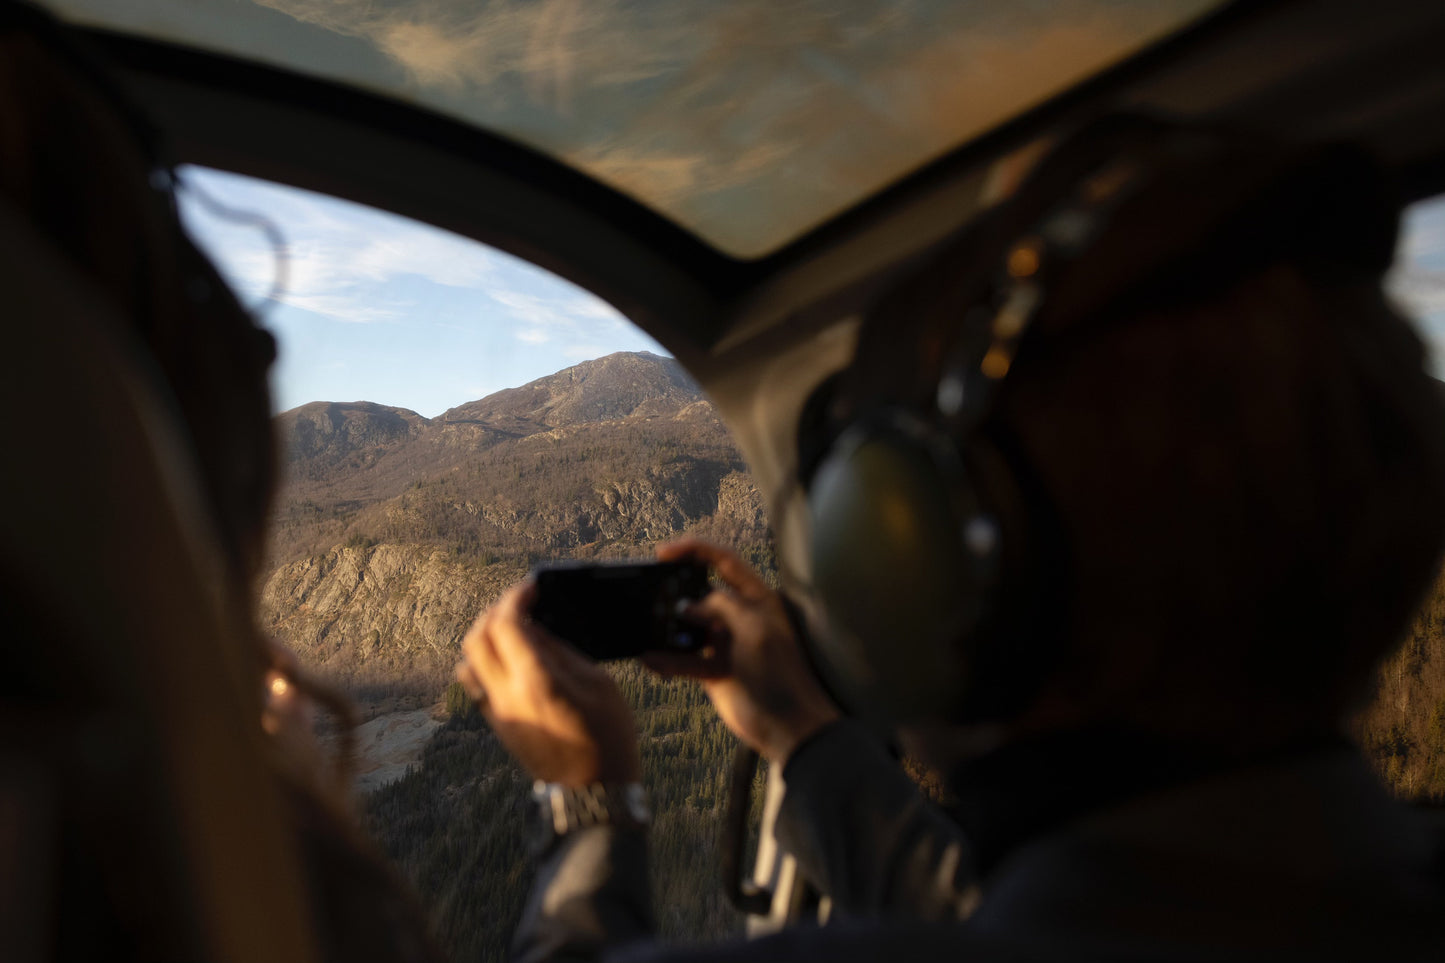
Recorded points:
(450, 417)
(745, 122)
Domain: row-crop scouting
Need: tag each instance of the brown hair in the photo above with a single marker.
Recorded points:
(82, 167)
(1251, 485)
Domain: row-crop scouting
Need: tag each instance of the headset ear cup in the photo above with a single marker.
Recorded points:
(904, 561)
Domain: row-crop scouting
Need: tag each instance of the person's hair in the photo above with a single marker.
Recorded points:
(84, 168)
(1252, 485)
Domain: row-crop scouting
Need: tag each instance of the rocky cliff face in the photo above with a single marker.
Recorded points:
(379, 607)
(394, 531)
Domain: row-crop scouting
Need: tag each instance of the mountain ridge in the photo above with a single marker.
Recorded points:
(393, 530)
(363, 450)
(609, 388)
(609, 370)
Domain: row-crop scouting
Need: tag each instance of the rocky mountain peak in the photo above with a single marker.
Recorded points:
(611, 388)
(328, 432)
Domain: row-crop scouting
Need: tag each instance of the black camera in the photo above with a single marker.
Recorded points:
(621, 610)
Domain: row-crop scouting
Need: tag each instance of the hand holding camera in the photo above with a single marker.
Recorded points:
(753, 666)
(555, 709)
(561, 714)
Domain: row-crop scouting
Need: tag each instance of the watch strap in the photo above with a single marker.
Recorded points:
(565, 809)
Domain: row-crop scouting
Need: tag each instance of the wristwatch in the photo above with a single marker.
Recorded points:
(564, 809)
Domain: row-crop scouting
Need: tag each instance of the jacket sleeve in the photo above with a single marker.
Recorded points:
(592, 893)
(860, 829)
(865, 835)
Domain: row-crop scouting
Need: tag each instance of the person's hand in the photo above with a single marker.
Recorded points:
(554, 709)
(753, 667)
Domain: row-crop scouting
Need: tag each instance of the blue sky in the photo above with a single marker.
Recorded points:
(382, 308)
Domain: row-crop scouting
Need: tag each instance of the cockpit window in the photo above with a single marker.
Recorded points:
(745, 122)
(448, 417)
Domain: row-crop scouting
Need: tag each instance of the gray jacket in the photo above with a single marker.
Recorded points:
(1302, 856)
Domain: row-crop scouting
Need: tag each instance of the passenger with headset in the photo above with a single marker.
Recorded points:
(1123, 498)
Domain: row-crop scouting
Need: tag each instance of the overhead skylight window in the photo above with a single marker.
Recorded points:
(745, 122)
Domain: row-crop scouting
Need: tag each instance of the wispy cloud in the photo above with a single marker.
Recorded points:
(532, 309)
(574, 318)
(352, 264)
(533, 335)
(431, 319)
(337, 258)
(345, 306)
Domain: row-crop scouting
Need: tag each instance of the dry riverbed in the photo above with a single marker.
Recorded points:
(391, 738)
(388, 744)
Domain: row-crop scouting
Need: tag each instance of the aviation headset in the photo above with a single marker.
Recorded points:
(938, 561)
